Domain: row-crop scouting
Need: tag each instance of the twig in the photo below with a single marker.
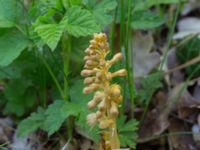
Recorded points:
(187, 64)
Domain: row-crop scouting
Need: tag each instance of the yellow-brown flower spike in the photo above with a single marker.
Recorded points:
(107, 96)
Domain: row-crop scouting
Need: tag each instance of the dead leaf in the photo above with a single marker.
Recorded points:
(144, 59)
(190, 6)
(180, 142)
(196, 133)
(177, 76)
(187, 26)
(30, 142)
(156, 120)
(6, 130)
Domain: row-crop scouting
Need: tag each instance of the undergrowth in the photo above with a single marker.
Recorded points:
(42, 45)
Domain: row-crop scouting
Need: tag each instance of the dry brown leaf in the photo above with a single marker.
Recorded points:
(180, 142)
(6, 130)
(144, 59)
(156, 120)
(190, 6)
(177, 76)
(183, 102)
(187, 26)
(196, 133)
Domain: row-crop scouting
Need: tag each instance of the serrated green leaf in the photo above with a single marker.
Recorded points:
(71, 109)
(19, 100)
(55, 118)
(150, 84)
(127, 132)
(146, 20)
(101, 11)
(12, 43)
(82, 99)
(152, 81)
(78, 46)
(76, 92)
(50, 34)
(57, 113)
(80, 22)
(32, 123)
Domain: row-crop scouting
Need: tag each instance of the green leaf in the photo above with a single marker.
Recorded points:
(127, 132)
(32, 123)
(78, 46)
(55, 118)
(75, 2)
(12, 43)
(9, 10)
(146, 20)
(80, 22)
(19, 100)
(82, 99)
(76, 92)
(71, 109)
(145, 4)
(101, 12)
(50, 34)
(188, 50)
(150, 84)
(58, 112)
(68, 3)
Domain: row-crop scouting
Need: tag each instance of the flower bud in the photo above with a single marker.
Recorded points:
(119, 73)
(109, 76)
(91, 63)
(115, 90)
(90, 88)
(93, 42)
(101, 37)
(89, 80)
(115, 58)
(93, 47)
(92, 119)
(88, 72)
(87, 51)
(105, 123)
(99, 74)
(98, 114)
(94, 57)
(113, 110)
(86, 58)
(98, 96)
(88, 67)
(102, 105)
(91, 104)
(118, 100)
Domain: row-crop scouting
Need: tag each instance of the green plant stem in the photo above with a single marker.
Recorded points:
(172, 29)
(122, 24)
(121, 44)
(112, 33)
(145, 109)
(53, 76)
(42, 88)
(66, 50)
(128, 63)
(4, 144)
